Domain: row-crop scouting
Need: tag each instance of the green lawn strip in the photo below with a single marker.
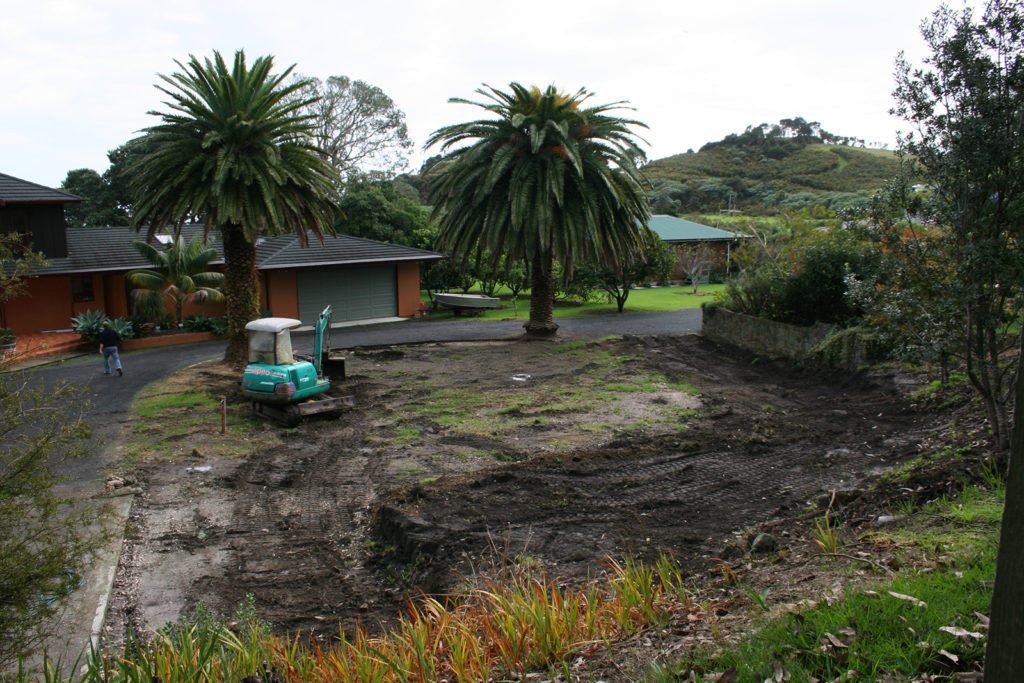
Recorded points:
(174, 419)
(874, 632)
(600, 379)
(650, 299)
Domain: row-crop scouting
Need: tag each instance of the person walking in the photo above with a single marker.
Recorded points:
(109, 339)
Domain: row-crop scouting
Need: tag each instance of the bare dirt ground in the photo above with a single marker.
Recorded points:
(628, 446)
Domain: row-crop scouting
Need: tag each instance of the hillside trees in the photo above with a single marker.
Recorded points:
(783, 137)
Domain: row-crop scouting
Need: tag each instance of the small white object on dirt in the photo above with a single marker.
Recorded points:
(521, 377)
(199, 468)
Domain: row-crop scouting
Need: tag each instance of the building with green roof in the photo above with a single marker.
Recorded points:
(697, 247)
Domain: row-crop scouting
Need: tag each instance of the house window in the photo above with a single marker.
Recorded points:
(81, 289)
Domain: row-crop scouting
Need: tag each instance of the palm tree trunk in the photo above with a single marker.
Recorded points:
(241, 291)
(542, 298)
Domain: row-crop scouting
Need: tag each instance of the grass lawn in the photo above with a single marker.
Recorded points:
(651, 299)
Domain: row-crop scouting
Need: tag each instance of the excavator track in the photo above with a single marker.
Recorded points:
(292, 414)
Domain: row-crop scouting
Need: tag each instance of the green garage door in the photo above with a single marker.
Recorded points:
(354, 293)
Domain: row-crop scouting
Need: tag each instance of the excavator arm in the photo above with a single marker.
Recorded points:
(321, 340)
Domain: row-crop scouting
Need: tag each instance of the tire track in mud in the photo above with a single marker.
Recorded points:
(774, 438)
(298, 543)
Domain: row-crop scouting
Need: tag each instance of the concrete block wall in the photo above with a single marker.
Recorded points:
(761, 336)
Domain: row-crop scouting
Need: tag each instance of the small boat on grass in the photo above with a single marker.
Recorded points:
(466, 302)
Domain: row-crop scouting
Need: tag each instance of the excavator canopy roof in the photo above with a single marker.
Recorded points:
(274, 325)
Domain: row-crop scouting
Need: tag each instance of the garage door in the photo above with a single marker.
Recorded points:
(354, 293)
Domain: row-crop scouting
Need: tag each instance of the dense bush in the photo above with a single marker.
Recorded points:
(203, 323)
(808, 282)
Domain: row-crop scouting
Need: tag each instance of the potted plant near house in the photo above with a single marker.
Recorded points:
(6, 342)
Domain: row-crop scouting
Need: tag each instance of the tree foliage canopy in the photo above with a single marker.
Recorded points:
(106, 198)
(181, 272)
(545, 178)
(357, 126)
(235, 150)
(965, 106)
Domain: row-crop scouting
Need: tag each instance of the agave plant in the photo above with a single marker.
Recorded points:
(88, 324)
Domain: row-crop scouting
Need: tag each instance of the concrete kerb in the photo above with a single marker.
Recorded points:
(44, 361)
(78, 628)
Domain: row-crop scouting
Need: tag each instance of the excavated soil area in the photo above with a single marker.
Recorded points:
(460, 455)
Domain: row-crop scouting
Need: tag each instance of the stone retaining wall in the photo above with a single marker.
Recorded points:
(765, 337)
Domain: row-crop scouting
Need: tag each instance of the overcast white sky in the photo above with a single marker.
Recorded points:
(78, 75)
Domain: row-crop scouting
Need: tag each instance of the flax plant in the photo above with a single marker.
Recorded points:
(523, 622)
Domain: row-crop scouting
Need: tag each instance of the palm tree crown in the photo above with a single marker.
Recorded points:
(234, 152)
(180, 272)
(547, 178)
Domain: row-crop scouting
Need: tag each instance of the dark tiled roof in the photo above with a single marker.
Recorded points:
(110, 249)
(15, 191)
(285, 251)
(93, 250)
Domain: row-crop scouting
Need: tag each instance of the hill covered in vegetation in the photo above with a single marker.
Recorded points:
(790, 165)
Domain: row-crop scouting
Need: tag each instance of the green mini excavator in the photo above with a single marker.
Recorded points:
(286, 386)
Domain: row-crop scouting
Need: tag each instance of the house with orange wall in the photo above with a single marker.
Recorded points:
(362, 279)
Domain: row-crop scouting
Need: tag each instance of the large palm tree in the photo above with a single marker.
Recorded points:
(180, 273)
(234, 152)
(546, 178)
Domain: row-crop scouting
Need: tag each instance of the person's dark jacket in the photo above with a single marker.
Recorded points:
(108, 337)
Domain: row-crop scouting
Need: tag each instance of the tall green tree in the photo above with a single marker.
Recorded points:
(106, 199)
(966, 109)
(545, 178)
(375, 210)
(359, 128)
(181, 273)
(965, 106)
(235, 151)
(91, 211)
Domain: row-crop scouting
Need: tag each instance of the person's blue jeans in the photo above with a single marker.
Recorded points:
(108, 353)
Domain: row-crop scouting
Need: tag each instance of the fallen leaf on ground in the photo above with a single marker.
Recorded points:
(909, 598)
(961, 632)
(835, 641)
